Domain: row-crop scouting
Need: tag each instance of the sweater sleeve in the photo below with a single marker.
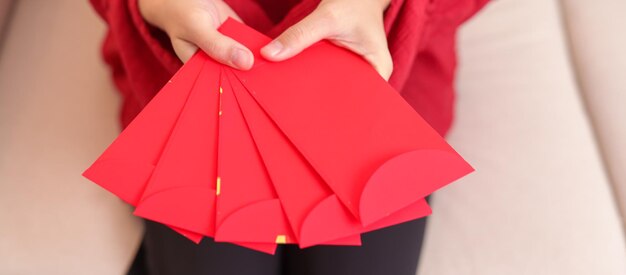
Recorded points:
(139, 56)
(420, 35)
(422, 40)
(404, 23)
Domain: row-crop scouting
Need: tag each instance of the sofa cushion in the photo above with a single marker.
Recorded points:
(58, 112)
(540, 201)
(598, 44)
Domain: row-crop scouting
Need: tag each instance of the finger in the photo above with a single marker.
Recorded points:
(183, 49)
(382, 63)
(227, 11)
(202, 33)
(380, 58)
(313, 28)
(372, 46)
(226, 50)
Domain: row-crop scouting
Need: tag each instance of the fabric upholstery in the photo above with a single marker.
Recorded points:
(58, 111)
(597, 43)
(540, 201)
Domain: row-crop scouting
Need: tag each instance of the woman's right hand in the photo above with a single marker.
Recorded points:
(192, 24)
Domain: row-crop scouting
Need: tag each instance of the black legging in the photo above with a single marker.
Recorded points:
(390, 251)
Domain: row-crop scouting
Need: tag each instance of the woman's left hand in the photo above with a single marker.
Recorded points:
(353, 24)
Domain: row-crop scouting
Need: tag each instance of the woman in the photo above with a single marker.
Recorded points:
(409, 42)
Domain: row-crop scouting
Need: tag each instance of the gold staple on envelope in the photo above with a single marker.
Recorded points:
(220, 111)
(218, 186)
(281, 239)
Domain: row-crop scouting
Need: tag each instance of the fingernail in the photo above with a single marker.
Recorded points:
(241, 58)
(273, 49)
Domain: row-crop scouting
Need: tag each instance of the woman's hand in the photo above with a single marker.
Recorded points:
(353, 24)
(192, 24)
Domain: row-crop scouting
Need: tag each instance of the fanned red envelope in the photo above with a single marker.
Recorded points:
(315, 150)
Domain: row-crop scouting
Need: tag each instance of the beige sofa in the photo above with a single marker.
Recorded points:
(540, 116)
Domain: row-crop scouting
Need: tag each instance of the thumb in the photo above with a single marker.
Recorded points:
(298, 37)
(200, 32)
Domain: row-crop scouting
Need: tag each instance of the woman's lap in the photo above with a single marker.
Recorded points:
(393, 250)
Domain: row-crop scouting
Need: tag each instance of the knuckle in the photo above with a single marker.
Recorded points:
(210, 46)
(213, 48)
(209, 43)
(329, 14)
(296, 34)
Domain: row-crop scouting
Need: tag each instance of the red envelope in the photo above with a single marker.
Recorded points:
(182, 190)
(248, 209)
(300, 189)
(371, 148)
(125, 166)
(282, 162)
(314, 150)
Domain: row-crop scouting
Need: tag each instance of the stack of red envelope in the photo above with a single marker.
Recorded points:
(314, 150)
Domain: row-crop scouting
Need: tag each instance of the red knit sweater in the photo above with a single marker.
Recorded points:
(420, 33)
